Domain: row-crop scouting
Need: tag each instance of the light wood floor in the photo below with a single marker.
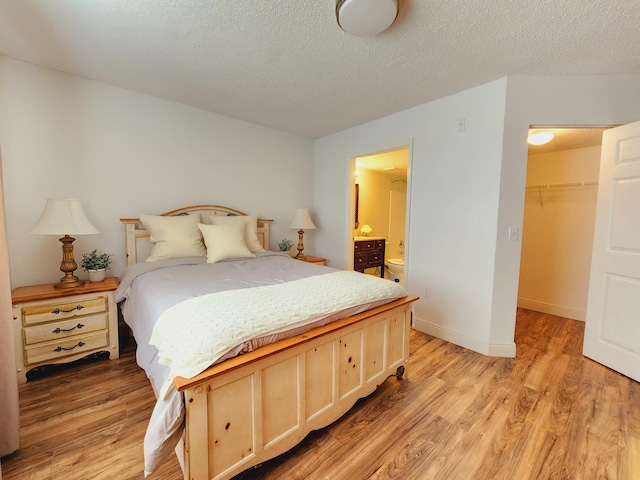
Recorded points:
(548, 414)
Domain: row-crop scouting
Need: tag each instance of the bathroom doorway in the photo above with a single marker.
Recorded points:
(380, 209)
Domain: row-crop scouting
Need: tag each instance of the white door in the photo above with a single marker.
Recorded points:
(612, 330)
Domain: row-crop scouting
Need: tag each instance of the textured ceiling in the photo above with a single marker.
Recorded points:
(286, 63)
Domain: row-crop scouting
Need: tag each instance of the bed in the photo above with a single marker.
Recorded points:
(239, 404)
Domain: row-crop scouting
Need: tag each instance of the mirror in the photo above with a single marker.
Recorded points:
(357, 199)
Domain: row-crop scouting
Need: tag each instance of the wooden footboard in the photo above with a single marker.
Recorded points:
(253, 408)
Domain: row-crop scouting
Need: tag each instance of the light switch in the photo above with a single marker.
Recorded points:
(514, 234)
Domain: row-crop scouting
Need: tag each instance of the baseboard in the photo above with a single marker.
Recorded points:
(558, 310)
(492, 350)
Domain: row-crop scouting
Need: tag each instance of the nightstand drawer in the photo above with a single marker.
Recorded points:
(44, 352)
(66, 328)
(55, 311)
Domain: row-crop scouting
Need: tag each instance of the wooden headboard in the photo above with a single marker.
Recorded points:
(137, 237)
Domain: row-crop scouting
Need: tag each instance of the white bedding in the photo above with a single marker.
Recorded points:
(197, 332)
(164, 290)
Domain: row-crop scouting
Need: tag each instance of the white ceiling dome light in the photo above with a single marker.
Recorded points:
(364, 18)
(540, 138)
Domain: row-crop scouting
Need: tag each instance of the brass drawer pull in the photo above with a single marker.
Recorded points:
(57, 310)
(58, 330)
(59, 349)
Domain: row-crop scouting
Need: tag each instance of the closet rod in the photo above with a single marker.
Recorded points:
(563, 185)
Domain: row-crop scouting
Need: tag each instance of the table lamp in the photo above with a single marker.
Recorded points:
(301, 222)
(64, 216)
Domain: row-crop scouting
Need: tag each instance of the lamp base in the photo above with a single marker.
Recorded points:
(69, 282)
(68, 265)
(300, 255)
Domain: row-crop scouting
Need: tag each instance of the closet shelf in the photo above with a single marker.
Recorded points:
(562, 185)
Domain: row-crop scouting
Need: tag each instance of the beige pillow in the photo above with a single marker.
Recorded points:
(250, 225)
(174, 236)
(224, 241)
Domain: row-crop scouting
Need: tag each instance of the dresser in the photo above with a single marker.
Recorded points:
(53, 325)
(369, 254)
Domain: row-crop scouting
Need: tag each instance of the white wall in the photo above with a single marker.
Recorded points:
(453, 216)
(557, 236)
(123, 153)
(373, 202)
(478, 179)
(453, 201)
(397, 220)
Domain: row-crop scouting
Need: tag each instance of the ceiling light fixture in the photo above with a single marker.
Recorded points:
(364, 18)
(540, 138)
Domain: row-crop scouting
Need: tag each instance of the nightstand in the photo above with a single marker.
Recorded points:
(312, 259)
(57, 325)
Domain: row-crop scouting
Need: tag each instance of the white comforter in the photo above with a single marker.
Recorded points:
(195, 333)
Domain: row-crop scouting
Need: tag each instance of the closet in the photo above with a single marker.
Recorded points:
(557, 234)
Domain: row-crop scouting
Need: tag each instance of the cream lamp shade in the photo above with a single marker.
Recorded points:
(301, 222)
(64, 216)
(364, 18)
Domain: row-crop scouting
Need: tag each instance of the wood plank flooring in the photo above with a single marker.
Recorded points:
(550, 413)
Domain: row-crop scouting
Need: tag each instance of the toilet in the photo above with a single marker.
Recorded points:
(396, 267)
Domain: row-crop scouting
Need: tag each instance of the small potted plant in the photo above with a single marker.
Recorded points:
(96, 264)
(285, 245)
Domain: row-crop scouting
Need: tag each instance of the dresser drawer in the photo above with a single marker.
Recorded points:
(55, 311)
(368, 245)
(78, 344)
(65, 328)
(367, 260)
(360, 261)
(375, 258)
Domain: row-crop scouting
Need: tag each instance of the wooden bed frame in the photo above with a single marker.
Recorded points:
(258, 405)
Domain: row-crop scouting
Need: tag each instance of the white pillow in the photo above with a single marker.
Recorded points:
(250, 225)
(224, 241)
(174, 236)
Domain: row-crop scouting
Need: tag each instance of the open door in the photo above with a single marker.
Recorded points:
(612, 330)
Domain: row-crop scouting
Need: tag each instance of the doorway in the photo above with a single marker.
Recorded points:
(559, 218)
(380, 207)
